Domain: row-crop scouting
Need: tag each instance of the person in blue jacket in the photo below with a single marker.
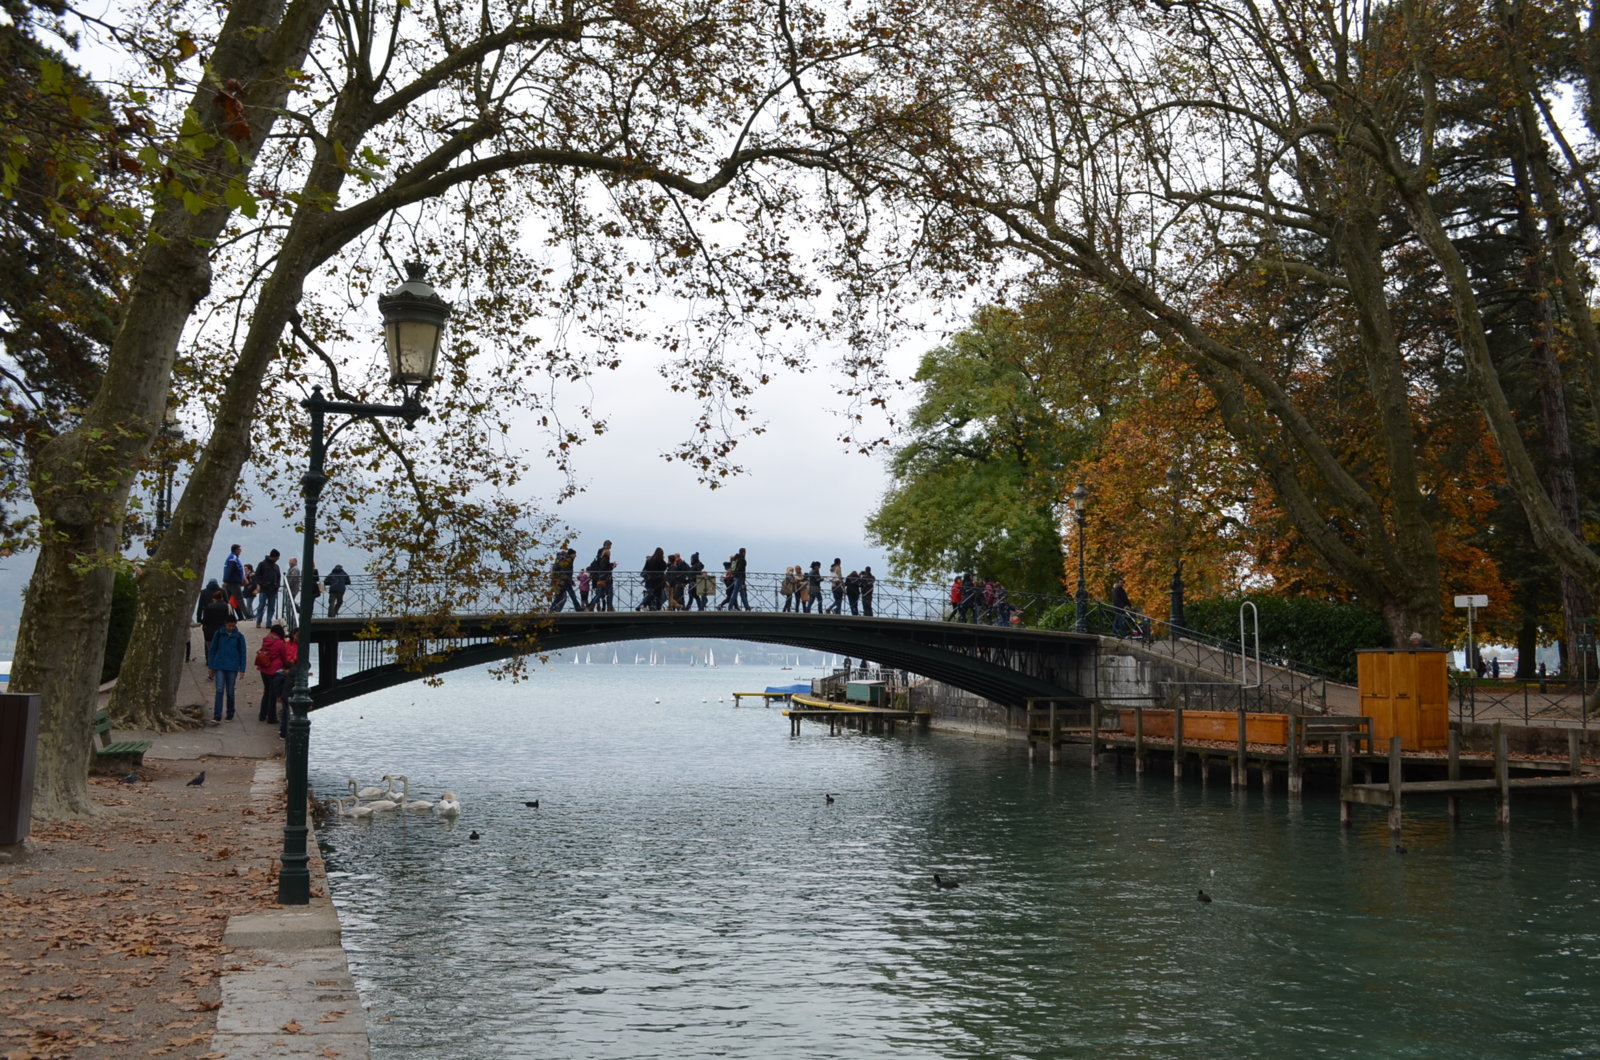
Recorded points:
(225, 661)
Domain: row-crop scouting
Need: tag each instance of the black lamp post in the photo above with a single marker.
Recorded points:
(414, 317)
(1080, 511)
(1175, 484)
(169, 436)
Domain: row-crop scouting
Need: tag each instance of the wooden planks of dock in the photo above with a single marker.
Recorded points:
(1051, 726)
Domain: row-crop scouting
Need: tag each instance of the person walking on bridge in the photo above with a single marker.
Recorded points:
(704, 585)
(561, 580)
(337, 582)
(836, 582)
(814, 586)
(868, 582)
(740, 569)
(600, 569)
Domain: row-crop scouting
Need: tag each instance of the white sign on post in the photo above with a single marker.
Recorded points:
(1472, 601)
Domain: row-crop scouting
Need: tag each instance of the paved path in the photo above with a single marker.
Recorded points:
(291, 969)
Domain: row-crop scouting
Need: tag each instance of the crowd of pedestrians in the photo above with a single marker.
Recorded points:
(252, 592)
(671, 582)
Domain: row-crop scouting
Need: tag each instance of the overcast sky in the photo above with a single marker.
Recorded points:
(805, 496)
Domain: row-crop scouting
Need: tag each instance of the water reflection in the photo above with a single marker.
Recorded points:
(685, 890)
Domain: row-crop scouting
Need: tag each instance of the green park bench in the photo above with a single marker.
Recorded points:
(114, 756)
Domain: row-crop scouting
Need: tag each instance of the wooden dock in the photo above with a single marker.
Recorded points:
(848, 715)
(1322, 744)
(765, 697)
(1393, 793)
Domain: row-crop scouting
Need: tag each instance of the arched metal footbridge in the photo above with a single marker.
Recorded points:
(989, 650)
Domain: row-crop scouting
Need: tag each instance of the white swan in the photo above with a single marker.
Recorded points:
(449, 805)
(406, 801)
(355, 809)
(381, 805)
(372, 792)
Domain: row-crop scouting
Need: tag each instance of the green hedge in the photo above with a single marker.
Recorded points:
(124, 599)
(1315, 633)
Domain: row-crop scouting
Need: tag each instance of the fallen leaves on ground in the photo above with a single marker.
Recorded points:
(111, 927)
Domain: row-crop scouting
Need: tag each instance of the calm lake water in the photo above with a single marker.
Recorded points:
(684, 890)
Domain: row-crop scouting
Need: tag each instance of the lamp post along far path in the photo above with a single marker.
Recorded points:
(1080, 512)
(414, 318)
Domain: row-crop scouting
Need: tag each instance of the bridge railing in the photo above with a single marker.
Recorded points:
(763, 591)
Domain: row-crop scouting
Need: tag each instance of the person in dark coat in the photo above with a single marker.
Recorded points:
(852, 591)
(814, 586)
(655, 581)
(600, 569)
(336, 583)
(269, 579)
(869, 582)
(214, 615)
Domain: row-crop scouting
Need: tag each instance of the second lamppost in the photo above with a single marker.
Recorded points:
(1175, 485)
(1080, 512)
(414, 317)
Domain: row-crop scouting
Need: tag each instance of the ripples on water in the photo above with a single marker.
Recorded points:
(684, 890)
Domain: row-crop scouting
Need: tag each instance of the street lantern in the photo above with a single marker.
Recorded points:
(1080, 512)
(414, 317)
(1175, 487)
(413, 321)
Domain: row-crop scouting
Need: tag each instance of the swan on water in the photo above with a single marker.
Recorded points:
(449, 805)
(354, 809)
(372, 792)
(406, 801)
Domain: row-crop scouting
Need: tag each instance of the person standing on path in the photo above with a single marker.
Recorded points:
(233, 577)
(225, 661)
(272, 663)
(268, 581)
(337, 582)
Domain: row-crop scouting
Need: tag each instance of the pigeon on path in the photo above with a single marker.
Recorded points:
(197, 781)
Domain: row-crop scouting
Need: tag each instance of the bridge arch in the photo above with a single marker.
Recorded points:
(1006, 665)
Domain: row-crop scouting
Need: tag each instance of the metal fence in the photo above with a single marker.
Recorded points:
(1552, 700)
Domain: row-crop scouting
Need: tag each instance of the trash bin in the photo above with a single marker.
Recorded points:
(19, 735)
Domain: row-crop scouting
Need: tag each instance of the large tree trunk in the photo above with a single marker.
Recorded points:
(82, 479)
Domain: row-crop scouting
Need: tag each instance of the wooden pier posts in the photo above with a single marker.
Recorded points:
(1575, 764)
(1177, 743)
(1055, 735)
(1296, 768)
(1395, 793)
(1346, 776)
(1094, 735)
(1241, 764)
(1138, 741)
(1453, 773)
(1502, 775)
